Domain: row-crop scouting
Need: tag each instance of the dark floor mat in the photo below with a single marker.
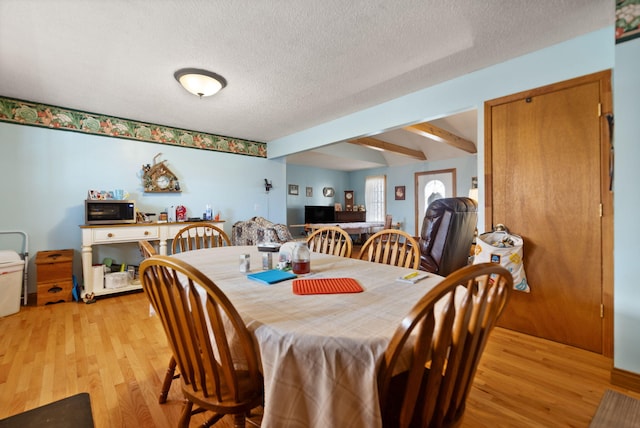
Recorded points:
(70, 412)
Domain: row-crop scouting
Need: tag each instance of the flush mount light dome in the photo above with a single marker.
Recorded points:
(199, 82)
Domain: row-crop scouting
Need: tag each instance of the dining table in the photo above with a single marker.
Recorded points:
(319, 353)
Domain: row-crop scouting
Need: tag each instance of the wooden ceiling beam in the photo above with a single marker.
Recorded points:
(431, 131)
(389, 147)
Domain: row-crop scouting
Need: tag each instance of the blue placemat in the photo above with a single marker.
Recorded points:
(271, 276)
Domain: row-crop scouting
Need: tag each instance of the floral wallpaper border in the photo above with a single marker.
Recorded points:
(35, 114)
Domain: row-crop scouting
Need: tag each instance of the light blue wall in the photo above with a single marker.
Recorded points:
(317, 179)
(404, 211)
(626, 79)
(46, 175)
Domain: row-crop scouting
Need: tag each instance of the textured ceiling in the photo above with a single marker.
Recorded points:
(290, 65)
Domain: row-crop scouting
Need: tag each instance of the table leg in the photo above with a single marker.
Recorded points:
(162, 247)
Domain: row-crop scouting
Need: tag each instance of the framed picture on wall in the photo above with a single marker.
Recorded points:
(309, 192)
(293, 189)
(399, 193)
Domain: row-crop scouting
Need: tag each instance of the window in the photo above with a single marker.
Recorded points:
(375, 197)
(435, 189)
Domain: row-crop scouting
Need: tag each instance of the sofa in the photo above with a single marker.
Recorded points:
(447, 234)
(258, 230)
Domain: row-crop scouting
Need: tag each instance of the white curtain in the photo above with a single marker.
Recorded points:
(375, 197)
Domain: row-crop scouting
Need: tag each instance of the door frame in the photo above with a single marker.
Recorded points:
(419, 216)
(606, 194)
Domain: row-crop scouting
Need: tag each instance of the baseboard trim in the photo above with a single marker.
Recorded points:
(625, 379)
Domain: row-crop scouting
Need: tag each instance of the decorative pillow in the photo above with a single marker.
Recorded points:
(262, 222)
(284, 235)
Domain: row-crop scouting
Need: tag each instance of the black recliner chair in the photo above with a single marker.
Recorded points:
(447, 233)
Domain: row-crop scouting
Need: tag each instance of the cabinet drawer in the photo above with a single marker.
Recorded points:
(54, 291)
(56, 265)
(125, 234)
(54, 271)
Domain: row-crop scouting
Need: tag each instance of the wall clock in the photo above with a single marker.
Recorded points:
(348, 200)
(163, 181)
(328, 192)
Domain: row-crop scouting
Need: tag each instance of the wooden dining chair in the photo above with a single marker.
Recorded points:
(330, 240)
(191, 237)
(387, 221)
(147, 250)
(392, 247)
(443, 338)
(212, 347)
(197, 236)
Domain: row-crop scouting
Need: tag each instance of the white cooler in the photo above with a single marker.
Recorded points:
(11, 271)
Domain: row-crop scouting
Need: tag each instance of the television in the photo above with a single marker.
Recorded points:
(319, 214)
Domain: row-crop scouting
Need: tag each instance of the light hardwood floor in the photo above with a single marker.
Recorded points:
(116, 352)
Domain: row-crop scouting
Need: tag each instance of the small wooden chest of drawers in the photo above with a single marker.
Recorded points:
(350, 216)
(54, 276)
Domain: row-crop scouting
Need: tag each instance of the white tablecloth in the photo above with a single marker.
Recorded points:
(319, 353)
(353, 228)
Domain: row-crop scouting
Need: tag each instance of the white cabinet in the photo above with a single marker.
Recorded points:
(114, 234)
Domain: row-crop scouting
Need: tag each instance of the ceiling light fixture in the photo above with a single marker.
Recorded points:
(199, 82)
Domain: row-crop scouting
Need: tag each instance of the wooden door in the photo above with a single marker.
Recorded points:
(545, 162)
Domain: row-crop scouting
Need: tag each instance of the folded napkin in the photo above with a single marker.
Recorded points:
(326, 286)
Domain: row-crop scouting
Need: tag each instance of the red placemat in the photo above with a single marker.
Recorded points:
(326, 286)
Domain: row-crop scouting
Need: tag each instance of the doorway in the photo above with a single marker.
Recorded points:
(429, 186)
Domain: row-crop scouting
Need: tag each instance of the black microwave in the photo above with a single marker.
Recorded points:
(109, 211)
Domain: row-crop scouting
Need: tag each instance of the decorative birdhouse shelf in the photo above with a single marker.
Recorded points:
(158, 178)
